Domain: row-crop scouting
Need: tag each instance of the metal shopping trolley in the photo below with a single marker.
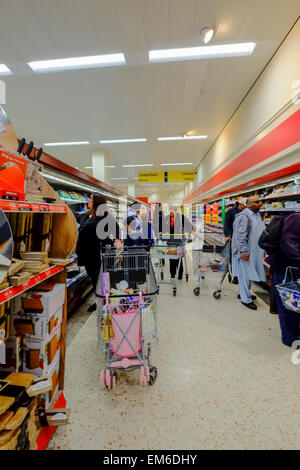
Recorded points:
(211, 260)
(127, 314)
(171, 247)
(290, 291)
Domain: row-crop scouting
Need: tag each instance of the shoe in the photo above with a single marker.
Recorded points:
(235, 280)
(173, 277)
(180, 277)
(296, 344)
(92, 308)
(252, 306)
(253, 297)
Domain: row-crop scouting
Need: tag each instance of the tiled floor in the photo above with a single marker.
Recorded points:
(225, 382)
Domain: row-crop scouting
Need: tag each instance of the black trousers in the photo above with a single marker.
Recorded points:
(93, 275)
(173, 267)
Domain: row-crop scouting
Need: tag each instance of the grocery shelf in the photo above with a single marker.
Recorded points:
(78, 278)
(74, 201)
(11, 292)
(282, 209)
(280, 195)
(23, 206)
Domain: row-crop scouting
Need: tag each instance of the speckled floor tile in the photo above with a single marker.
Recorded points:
(225, 381)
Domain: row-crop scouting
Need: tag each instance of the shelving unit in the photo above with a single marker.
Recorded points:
(273, 194)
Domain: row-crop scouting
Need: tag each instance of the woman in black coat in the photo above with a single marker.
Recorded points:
(99, 230)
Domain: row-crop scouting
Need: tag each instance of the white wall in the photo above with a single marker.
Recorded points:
(163, 197)
(267, 104)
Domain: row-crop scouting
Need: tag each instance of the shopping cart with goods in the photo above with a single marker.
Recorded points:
(127, 314)
(290, 291)
(170, 247)
(211, 261)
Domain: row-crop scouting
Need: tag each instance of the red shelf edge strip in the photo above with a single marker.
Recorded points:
(11, 292)
(16, 206)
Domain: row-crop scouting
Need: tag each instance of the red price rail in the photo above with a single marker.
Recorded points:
(11, 292)
(23, 206)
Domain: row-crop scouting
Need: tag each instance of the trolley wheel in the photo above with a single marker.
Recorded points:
(197, 291)
(202, 277)
(143, 377)
(217, 295)
(114, 378)
(108, 379)
(161, 276)
(153, 375)
(147, 373)
(229, 278)
(174, 291)
(186, 277)
(102, 377)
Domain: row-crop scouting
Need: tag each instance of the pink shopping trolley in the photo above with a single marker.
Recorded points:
(127, 315)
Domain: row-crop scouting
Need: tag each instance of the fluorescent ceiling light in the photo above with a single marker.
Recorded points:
(202, 52)
(170, 138)
(4, 70)
(119, 178)
(175, 164)
(110, 166)
(58, 144)
(194, 137)
(135, 166)
(187, 137)
(88, 167)
(121, 141)
(77, 62)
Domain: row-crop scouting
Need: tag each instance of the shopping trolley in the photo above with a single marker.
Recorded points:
(171, 247)
(290, 291)
(127, 314)
(211, 260)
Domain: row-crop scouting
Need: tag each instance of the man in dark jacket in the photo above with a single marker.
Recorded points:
(287, 255)
(176, 225)
(228, 231)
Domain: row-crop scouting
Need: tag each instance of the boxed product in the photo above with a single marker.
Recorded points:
(46, 399)
(13, 354)
(39, 354)
(40, 302)
(33, 325)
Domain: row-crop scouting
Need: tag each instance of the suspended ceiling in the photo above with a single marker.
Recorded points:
(139, 100)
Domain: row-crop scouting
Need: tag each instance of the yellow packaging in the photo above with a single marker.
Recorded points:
(107, 335)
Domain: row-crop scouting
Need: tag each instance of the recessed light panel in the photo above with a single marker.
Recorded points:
(202, 52)
(73, 63)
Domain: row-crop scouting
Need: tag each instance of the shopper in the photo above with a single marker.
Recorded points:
(239, 205)
(247, 228)
(157, 224)
(98, 231)
(284, 253)
(177, 225)
(132, 226)
(157, 220)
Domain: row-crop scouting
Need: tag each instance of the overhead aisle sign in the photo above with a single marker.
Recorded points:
(167, 177)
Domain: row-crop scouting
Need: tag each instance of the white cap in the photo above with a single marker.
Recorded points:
(243, 201)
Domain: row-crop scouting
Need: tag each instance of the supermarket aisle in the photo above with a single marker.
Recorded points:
(225, 381)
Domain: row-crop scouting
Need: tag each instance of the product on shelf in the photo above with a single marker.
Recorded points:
(18, 403)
